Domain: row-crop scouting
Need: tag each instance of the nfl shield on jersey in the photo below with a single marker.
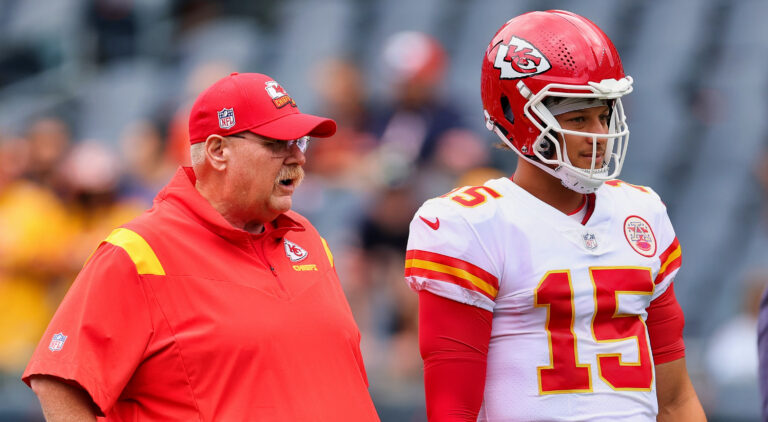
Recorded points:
(569, 301)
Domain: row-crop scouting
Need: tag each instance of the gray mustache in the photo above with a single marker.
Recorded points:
(294, 172)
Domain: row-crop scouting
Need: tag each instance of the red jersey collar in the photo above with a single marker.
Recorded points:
(181, 193)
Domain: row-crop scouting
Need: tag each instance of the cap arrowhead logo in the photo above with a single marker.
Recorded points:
(519, 59)
(294, 252)
(279, 97)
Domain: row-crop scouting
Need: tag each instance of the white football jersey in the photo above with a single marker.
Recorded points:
(569, 300)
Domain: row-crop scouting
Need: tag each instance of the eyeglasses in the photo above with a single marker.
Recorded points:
(279, 147)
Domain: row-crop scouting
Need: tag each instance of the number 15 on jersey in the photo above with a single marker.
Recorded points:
(565, 374)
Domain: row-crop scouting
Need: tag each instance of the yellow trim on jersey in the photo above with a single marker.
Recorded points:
(446, 269)
(327, 251)
(673, 256)
(138, 249)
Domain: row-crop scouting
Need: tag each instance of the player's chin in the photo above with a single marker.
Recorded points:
(586, 163)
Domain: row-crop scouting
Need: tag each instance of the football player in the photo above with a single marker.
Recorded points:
(549, 295)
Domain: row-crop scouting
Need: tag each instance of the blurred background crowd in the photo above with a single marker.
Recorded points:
(94, 96)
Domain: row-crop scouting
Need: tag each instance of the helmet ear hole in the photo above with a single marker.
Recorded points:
(546, 148)
(506, 108)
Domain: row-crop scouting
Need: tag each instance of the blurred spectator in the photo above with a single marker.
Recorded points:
(91, 173)
(114, 25)
(34, 240)
(732, 359)
(177, 147)
(189, 14)
(459, 151)
(392, 314)
(338, 182)
(341, 90)
(410, 126)
(147, 167)
(49, 140)
(340, 85)
(14, 160)
(385, 227)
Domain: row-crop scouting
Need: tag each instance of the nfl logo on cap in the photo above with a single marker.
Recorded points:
(57, 342)
(226, 118)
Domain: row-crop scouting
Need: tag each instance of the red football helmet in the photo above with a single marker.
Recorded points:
(540, 55)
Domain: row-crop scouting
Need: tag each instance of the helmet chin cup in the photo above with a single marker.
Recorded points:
(575, 181)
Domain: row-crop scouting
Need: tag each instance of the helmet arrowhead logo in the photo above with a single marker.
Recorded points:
(519, 59)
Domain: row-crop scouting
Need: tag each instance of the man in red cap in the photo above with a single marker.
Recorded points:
(218, 303)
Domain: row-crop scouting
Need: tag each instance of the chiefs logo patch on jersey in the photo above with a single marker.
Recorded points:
(519, 59)
(295, 252)
(640, 236)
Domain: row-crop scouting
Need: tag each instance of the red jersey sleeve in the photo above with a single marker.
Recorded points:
(100, 331)
(453, 339)
(665, 327)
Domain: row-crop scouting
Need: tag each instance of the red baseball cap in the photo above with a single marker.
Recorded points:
(256, 103)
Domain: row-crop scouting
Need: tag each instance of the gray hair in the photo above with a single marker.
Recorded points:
(197, 153)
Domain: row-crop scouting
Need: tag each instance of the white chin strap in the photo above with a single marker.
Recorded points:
(575, 181)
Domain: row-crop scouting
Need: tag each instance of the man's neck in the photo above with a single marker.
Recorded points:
(546, 187)
(254, 227)
(215, 197)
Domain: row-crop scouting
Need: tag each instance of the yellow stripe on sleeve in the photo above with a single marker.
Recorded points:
(138, 249)
(457, 272)
(327, 251)
(673, 256)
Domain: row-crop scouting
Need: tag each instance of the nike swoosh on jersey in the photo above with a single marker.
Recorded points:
(433, 225)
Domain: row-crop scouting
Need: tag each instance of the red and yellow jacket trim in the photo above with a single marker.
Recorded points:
(138, 250)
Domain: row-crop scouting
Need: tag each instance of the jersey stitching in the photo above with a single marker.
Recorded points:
(181, 355)
(140, 282)
(144, 295)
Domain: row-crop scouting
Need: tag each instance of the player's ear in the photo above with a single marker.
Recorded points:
(215, 152)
